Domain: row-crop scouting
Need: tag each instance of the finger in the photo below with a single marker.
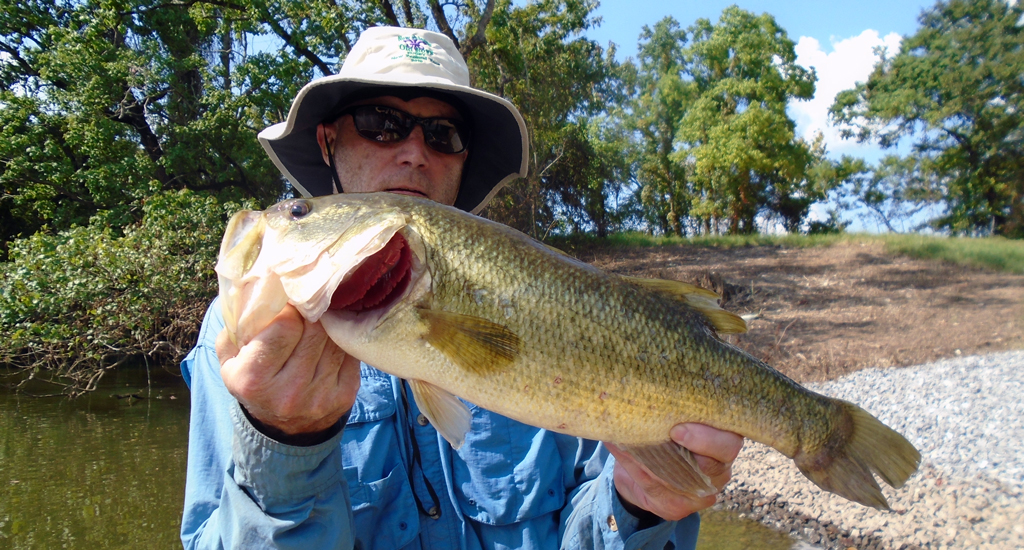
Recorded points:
(306, 362)
(640, 488)
(711, 442)
(349, 371)
(266, 354)
(226, 349)
(631, 478)
(330, 362)
(714, 450)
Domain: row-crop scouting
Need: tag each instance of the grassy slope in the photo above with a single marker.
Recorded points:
(991, 252)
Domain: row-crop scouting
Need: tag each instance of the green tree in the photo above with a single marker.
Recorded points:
(955, 88)
(585, 180)
(893, 192)
(537, 57)
(664, 92)
(105, 102)
(716, 147)
(736, 134)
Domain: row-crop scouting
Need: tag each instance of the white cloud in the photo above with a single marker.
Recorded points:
(849, 62)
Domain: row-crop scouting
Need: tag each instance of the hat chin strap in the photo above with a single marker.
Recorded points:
(330, 161)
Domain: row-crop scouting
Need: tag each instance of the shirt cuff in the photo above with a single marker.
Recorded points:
(278, 474)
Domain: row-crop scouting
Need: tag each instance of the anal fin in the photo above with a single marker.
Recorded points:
(675, 465)
(449, 416)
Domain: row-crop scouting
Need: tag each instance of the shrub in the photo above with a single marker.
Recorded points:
(83, 301)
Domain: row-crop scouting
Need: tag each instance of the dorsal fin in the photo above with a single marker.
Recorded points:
(700, 299)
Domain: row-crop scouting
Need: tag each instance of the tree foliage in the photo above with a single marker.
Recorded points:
(537, 57)
(106, 102)
(892, 193)
(88, 299)
(955, 87)
(717, 147)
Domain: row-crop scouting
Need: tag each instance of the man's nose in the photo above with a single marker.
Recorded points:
(413, 149)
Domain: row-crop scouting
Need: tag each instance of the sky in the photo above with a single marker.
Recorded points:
(837, 39)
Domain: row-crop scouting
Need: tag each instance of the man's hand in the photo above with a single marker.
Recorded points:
(640, 489)
(291, 377)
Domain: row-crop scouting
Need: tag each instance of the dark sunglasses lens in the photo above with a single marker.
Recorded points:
(444, 136)
(384, 126)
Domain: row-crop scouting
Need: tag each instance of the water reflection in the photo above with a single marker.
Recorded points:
(103, 472)
(723, 530)
(97, 471)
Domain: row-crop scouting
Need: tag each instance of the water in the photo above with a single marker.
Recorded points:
(96, 472)
(724, 530)
(104, 472)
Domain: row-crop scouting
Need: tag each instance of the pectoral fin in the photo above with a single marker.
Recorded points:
(700, 299)
(449, 416)
(472, 343)
(675, 465)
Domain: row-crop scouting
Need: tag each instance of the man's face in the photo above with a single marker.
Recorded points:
(409, 166)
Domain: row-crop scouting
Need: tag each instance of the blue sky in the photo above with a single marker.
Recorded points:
(835, 38)
(623, 20)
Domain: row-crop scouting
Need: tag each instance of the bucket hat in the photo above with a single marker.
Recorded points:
(392, 57)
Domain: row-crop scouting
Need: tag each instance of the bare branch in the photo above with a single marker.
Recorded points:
(442, 22)
(480, 38)
(407, 8)
(389, 12)
(301, 50)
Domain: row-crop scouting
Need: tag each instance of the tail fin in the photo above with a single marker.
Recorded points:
(844, 464)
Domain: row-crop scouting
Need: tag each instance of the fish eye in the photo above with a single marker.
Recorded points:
(299, 209)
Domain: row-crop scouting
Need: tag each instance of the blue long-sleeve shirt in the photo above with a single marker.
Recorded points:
(389, 480)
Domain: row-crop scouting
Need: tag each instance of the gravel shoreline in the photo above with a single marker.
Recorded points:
(965, 415)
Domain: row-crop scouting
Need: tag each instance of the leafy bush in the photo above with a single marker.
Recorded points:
(83, 301)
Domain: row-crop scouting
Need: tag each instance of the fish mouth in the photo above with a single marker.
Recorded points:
(378, 281)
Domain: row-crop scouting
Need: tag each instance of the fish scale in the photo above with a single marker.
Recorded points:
(510, 325)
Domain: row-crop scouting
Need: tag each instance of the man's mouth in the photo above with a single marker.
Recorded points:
(411, 192)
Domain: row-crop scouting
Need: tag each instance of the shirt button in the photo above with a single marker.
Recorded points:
(434, 512)
(422, 420)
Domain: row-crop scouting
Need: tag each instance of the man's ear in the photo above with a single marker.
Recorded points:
(325, 134)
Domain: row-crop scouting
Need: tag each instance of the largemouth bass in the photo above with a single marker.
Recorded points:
(461, 306)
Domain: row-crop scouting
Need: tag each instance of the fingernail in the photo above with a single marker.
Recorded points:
(679, 433)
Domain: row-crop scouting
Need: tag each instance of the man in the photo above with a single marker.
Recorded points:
(295, 444)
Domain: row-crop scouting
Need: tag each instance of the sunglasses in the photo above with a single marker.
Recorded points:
(388, 125)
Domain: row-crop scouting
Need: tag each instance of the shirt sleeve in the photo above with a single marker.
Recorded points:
(245, 490)
(594, 517)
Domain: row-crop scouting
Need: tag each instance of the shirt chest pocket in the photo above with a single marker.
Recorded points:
(383, 509)
(506, 471)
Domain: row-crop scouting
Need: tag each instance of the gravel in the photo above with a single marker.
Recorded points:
(965, 415)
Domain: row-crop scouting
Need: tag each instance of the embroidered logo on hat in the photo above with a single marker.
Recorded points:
(416, 49)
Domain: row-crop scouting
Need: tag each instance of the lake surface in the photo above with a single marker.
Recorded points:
(108, 472)
(95, 472)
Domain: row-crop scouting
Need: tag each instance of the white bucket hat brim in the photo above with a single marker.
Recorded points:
(389, 57)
